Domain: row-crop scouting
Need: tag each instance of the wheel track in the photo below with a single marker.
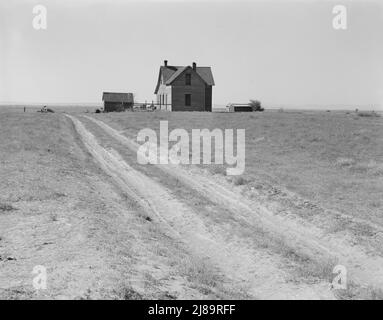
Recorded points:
(255, 271)
(309, 240)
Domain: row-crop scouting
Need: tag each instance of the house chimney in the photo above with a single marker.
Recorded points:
(194, 66)
(165, 63)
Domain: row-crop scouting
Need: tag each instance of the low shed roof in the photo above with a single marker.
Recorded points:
(117, 97)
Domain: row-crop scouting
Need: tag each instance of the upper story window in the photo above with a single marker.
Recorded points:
(188, 79)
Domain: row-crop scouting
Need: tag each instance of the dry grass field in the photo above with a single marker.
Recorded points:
(331, 158)
(74, 199)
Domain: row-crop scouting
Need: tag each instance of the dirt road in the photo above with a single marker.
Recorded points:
(258, 269)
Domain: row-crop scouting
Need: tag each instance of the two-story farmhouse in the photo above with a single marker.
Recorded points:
(186, 88)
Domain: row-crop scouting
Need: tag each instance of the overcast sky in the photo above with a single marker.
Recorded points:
(280, 52)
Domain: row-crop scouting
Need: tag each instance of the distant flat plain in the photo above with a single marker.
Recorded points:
(325, 168)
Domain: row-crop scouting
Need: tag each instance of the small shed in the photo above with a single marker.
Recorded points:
(117, 101)
(239, 107)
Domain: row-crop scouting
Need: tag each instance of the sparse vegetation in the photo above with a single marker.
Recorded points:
(354, 291)
(4, 207)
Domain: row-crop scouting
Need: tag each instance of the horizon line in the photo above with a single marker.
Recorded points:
(372, 107)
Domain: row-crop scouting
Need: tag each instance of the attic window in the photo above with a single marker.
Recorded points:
(187, 79)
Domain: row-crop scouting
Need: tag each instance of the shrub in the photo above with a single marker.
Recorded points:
(368, 114)
(128, 293)
(256, 105)
(345, 162)
(219, 170)
(239, 181)
(6, 207)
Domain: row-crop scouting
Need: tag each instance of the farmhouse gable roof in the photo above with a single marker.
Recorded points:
(169, 73)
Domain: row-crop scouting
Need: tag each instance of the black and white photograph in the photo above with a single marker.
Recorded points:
(194, 155)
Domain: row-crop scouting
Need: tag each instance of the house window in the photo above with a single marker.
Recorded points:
(187, 79)
(187, 100)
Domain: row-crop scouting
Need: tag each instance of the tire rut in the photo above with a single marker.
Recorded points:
(364, 269)
(257, 272)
